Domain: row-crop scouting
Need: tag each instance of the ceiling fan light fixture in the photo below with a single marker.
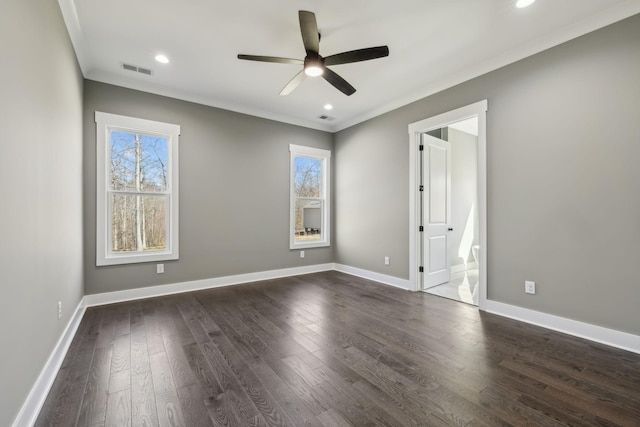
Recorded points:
(313, 70)
(313, 64)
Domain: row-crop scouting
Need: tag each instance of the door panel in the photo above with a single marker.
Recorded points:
(437, 207)
(437, 247)
(437, 184)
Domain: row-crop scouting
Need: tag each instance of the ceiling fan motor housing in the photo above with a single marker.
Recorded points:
(313, 64)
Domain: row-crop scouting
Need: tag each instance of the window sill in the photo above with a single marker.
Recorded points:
(310, 245)
(136, 259)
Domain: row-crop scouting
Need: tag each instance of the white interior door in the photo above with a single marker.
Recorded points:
(436, 210)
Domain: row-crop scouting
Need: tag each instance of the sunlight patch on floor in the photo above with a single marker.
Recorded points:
(462, 287)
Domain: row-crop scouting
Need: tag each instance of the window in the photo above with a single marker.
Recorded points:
(309, 197)
(137, 190)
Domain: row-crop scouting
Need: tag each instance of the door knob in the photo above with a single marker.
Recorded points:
(450, 229)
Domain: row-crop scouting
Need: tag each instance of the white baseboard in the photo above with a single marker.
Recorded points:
(196, 285)
(38, 394)
(376, 277)
(587, 331)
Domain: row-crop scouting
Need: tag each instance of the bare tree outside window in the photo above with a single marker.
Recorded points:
(138, 191)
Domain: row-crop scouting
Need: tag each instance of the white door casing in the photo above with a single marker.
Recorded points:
(436, 210)
(416, 130)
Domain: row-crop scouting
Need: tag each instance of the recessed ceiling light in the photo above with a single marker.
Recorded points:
(524, 3)
(328, 107)
(162, 59)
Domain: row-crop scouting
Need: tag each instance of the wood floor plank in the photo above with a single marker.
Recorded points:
(331, 349)
(174, 324)
(118, 381)
(123, 320)
(194, 408)
(167, 400)
(139, 356)
(143, 401)
(94, 401)
(194, 323)
(121, 353)
(389, 403)
(200, 314)
(331, 418)
(119, 409)
(241, 399)
(202, 371)
(152, 319)
(514, 412)
(107, 329)
(182, 373)
(348, 407)
(289, 401)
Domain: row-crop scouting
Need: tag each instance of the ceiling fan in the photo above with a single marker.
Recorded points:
(314, 64)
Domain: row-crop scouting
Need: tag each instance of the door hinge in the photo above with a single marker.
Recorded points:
(421, 228)
(421, 188)
(421, 147)
(421, 269)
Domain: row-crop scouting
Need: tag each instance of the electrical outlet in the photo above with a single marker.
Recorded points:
(301, 254)
(386, 260)
(59, 310)
(159, 268)
(530, 287)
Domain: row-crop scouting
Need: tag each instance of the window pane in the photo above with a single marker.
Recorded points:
(138, 222)
(138, 162)
(307, 177)
(308, 220)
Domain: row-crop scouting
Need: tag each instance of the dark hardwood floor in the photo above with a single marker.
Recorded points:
(334, 350)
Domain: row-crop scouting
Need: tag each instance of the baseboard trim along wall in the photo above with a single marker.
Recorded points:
(196, 285)
(38, 394)
(376, 277)
(610, 337)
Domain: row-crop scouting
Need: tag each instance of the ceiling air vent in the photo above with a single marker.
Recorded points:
(136, 69)
(325, 117)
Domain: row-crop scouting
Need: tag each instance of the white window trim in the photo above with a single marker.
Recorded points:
(325, 156)
(104, 121)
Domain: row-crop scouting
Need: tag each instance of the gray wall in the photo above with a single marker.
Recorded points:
(234, 191)
(464, 196)
(40, 192)
(372, 196)
(563, 143)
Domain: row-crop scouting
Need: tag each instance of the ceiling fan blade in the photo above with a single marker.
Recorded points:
(309, 30)
(357, 55)
(294, 83)
(338, 82)
(271, 59)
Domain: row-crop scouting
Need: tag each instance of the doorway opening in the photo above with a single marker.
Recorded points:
(448, 205)
(456, 184)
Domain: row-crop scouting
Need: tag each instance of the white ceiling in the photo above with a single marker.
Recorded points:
(433, 44)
